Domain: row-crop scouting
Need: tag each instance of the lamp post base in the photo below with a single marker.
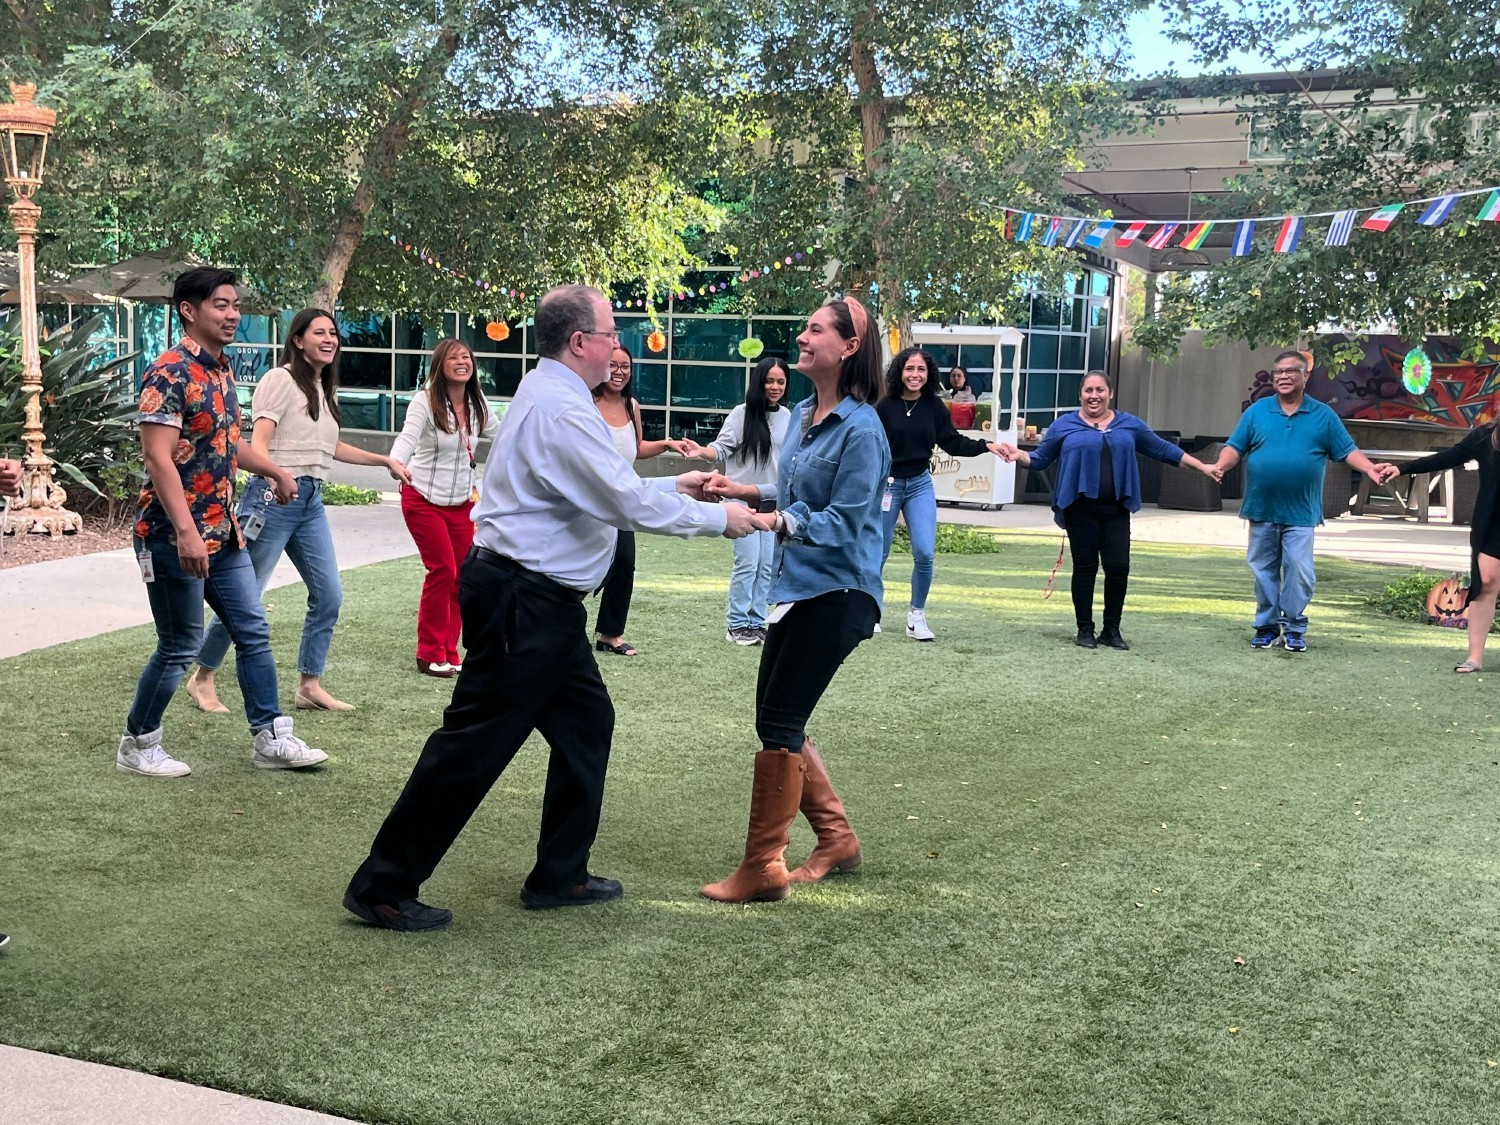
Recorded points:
(40, 521)
(41, 509)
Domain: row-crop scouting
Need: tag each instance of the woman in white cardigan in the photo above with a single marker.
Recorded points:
(444, 425)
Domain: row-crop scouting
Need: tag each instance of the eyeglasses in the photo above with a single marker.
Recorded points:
(614, 337)
(625, 367)
(1287, 371)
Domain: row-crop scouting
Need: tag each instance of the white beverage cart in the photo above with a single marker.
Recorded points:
(985, 480)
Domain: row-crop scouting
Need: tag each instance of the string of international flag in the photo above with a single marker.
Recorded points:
(1071, 231)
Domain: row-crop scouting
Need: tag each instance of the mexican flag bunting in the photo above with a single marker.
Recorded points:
(1490, 212)
(1383, 218)
(1023, 232)
(1070, 239)
(1196, 237)
(1095, 241)
(1290, 235)
(1053, 227)
(1244, 232)
(1162, 236)
(1438, 211)
(1132, 232)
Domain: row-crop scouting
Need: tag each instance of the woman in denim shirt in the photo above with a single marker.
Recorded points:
(827, 592)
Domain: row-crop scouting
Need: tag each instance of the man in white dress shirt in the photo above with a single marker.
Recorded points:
(555, 490)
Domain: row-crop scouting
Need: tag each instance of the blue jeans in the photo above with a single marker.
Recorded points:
(301, 530)
(177, 605)
(1281, 558)
(915, 497)
(750, 580)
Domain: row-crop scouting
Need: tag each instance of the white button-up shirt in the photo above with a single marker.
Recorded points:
(555, 487)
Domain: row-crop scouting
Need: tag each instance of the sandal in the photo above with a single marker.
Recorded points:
(624, 648)
(1468, 666)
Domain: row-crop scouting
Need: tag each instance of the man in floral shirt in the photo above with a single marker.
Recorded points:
(187, 539)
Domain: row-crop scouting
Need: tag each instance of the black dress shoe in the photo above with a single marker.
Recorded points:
(585, 894)
(1112, 638)
(1085, 639)
(409, 916)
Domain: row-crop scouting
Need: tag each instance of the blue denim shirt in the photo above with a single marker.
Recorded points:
(1074, 445)
(832, 478)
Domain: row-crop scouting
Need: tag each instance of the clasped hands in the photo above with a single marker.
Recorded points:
(739, 519)
(1383, 472)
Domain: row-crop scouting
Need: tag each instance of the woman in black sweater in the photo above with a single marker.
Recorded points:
(915, 421)
(1482, 445)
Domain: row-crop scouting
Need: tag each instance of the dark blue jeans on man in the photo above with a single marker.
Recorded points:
(233, 593)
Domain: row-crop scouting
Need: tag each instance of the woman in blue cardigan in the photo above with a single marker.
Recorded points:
(1098, 486)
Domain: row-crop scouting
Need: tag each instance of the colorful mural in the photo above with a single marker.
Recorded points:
(1463, 393)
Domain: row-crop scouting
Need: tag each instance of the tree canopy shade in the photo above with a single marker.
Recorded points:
(288, 139)
(1366, 151)
(887, 132)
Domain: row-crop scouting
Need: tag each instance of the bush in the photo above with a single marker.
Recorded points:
(952, 539)
(348, 494)
(1406, 597)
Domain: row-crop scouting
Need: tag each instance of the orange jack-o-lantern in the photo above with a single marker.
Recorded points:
(497, 330)
(1447, 599)
(657, 340)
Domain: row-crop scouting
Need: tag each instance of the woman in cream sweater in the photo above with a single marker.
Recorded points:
(296, 417)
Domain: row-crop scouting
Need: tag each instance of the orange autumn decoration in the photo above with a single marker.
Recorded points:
(657, 340)
(1446, 602)
(497, 330)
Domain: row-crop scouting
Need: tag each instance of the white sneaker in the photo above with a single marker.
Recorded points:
(916, 626)
(280, 749)
(142, 754)
(877, 627)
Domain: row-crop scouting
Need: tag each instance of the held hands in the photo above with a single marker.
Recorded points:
(725, 489)
(285, 487)
(997, 449)
(1216, 471)
(677, 445)
(1005, 451)
(398, 470)
(740, 521)
(692, 449)
(692, 484)
(1384, 472)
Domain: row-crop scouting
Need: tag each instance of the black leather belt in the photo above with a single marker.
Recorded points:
(528, 578)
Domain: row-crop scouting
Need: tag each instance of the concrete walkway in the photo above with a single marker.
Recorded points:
(51, 603)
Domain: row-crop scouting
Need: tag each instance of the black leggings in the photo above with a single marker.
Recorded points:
(802, 652)
(619, 584)
(1098, 529)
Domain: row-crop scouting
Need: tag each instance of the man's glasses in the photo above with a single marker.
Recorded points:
(1287, 371)
(614, 337)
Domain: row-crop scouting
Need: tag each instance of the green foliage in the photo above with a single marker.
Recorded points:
(342, 495)
(88, 404)
(952, 539)
(1406, 597)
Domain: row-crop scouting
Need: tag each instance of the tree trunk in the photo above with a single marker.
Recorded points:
(377, 164)
(874, 135)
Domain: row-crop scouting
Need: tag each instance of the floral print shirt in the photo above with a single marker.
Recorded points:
(193, 392)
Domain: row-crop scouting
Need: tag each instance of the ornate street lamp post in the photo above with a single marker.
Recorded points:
(24, 129)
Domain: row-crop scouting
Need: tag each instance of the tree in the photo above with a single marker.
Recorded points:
(290, 141)
(890, 133)
(1418, 280)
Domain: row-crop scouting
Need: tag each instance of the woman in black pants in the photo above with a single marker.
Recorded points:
(827, 592)
(1098, 486)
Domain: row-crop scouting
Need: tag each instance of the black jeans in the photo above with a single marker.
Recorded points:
(619, 584)
(802, 652)
(529, 666)
(1098, 529)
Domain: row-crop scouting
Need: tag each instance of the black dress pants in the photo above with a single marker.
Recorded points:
(801, 654)
(619, 585)
(529, 666)
(1098, 530)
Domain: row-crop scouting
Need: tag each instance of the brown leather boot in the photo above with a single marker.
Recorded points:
(774, 797)
(838, 847)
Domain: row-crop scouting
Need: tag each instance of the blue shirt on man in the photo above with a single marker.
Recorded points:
(1285, 455)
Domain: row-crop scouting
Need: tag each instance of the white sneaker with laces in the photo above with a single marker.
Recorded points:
(916, 626)
(877, 628)
(280, 749)
(142, 754)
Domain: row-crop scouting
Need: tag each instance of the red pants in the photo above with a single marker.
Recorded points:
(443, 536)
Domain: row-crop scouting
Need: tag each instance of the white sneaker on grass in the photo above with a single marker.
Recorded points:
(877, 628)
(142, 754)
(916, 626)
(279, 749)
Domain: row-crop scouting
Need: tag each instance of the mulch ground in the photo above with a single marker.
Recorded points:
(97, 535)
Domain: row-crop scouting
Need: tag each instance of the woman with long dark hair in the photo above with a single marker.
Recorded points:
(749, 444)
(916, 421)
(958, 386)
(438, 444)
(623, 416)
(296, 416)
(827, 593)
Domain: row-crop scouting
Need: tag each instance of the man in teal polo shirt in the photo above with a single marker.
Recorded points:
(1286, 441)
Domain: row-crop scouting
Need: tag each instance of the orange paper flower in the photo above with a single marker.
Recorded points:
(497, 330)
(657, 341)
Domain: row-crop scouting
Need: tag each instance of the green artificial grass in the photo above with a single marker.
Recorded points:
(1188, 883)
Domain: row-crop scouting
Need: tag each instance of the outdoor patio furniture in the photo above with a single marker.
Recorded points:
(1187, 490)
(1465, 495)
(1338, 486)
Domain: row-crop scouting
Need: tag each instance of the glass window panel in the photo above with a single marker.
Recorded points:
(1046, 312)
(779, 336)
(398, 412)
(1067, 390)
(150, 337)
(474, 331)
(365, 369)
(1099, 283)
(1041, 392)
(253, 330)
(653, 424)
(1075, 313)
(1098, 313)
(1077, 284)
(1042, 352)
(500, 375)
(360, 328)
(1099, 348)
(798, 387)
(1070, 353)
(633, 331)
(700, 385)
(648, 384)
(411, 371)
(420, 332)
(248, 363)
(363, 410)
(706, 339)
(702, 428)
